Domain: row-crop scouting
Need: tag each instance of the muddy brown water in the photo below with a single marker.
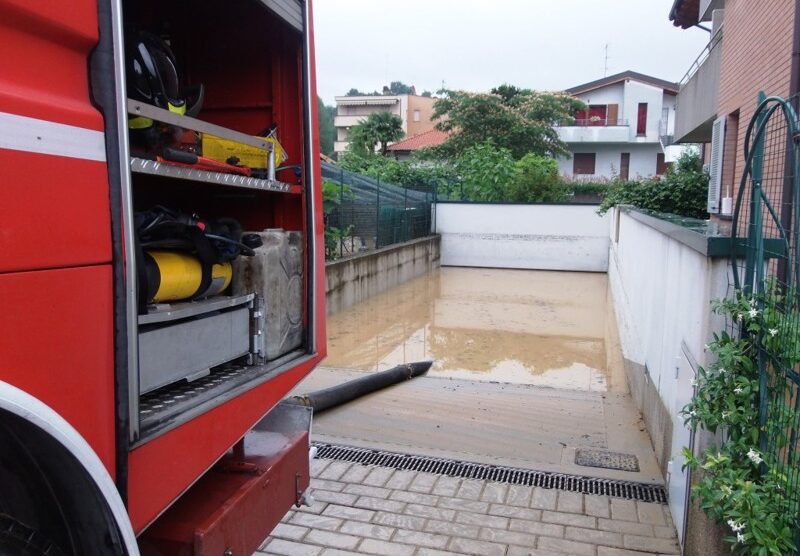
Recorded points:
(526, 327)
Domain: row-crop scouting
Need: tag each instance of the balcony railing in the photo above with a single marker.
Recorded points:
(592, 122)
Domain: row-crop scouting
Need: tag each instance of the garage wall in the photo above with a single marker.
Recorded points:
(539, 237)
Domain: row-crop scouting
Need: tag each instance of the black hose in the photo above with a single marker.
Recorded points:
(343, 393)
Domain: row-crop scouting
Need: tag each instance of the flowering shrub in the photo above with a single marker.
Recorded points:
(740, 486)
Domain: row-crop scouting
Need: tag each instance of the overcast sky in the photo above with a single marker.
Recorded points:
(476, 45)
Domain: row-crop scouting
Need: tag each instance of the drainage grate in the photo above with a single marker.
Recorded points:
(511, 475)
(606, 460)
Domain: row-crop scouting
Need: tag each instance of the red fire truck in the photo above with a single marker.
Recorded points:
(161, 272)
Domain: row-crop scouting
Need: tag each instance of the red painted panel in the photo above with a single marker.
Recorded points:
(54, 211)
(44, 49)
(163, 468)
(56, 343)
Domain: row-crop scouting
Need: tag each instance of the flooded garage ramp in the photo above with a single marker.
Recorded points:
(516, 326)
(527, 373)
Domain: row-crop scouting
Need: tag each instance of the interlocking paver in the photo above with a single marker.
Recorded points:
(422, 514)
(650, 513)
(419, 538)
(369, 530)
(570, 547)
(478, 548)
(446, 486)
(289, 532)
(571, 502)
(508, 537)
(515, 512)
(430, 512)
(332, 540)
(386, 548)
(624, 510)
(544, 498)
(651, 544)
(414, 497)
(453, 529)
(598, 506)
(290, 548)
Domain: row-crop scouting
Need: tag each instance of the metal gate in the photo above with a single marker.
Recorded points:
(766, 266)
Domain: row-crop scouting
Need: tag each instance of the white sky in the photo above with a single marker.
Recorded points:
(476, 45)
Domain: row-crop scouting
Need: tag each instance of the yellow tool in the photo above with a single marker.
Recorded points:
(174, 276)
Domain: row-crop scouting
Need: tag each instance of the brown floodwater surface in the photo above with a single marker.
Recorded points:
(519, 326)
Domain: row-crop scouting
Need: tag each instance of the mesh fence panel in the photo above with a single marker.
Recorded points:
(366, 213)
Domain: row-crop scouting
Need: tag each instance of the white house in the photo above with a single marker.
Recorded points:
(626, 129)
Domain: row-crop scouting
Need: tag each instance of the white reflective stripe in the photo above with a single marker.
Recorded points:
(21, 133)
(24, 405)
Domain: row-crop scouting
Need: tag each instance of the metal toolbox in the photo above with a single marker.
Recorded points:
(184, 340)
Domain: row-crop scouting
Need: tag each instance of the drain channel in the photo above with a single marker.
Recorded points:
(511, 475)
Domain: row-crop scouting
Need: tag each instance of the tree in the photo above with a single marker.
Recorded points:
(520, 120)
(427, 94)
(379, 129)
(400, 88)
(327, 132)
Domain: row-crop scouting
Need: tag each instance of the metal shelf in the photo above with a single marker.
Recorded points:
(173, 311)
(152, 167)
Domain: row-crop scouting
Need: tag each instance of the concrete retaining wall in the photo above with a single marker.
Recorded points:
(662, 282)
(539, 237)
(354, 279)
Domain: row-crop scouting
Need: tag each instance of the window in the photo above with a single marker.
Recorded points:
(583, 163)
(624, 165)
(416, 115)
(641, 120)
(661, 166)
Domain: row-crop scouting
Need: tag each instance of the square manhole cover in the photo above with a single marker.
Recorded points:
(606, 460)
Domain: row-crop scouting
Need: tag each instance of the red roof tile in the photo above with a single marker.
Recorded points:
(426, 139)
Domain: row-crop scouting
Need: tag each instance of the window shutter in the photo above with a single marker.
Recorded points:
(290, 11)
(715, 168)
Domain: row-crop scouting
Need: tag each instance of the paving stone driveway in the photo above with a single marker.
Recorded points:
(381, 511)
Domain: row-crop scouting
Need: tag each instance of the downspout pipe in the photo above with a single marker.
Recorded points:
(349, 391)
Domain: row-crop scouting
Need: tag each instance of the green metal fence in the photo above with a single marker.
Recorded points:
(766, 226)
(364, 213)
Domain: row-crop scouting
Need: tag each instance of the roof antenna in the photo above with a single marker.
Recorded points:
(605, 66)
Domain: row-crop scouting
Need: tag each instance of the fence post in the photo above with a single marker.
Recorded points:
(378, 214)
(341, 213)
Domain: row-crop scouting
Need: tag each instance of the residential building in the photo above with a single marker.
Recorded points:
(404, 149)
(415, 112)
(750, 50)
(626, 129)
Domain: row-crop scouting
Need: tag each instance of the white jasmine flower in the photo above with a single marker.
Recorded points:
(739, 537)
(738, 317)
(721, 371)
(726, 490)
(738, 390)
(752, 302)
(753, 313)
(692, 413)
(735, 527)
(725, 414)
(773, 332)
(754, 456)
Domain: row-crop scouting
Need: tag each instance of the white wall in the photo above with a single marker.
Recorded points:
(636, 92)
(613, 94)
(643, 160)
(662, 290)
(541, 237)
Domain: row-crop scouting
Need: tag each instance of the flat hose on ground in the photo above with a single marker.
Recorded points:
(343, 393)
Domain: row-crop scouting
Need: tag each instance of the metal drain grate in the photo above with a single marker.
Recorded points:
(606, 460)
(511, 475)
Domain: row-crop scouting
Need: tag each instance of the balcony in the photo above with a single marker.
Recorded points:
(696, 105)
(594, 130)
(348, 121)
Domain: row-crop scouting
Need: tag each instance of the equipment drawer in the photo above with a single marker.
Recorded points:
(188, 349)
